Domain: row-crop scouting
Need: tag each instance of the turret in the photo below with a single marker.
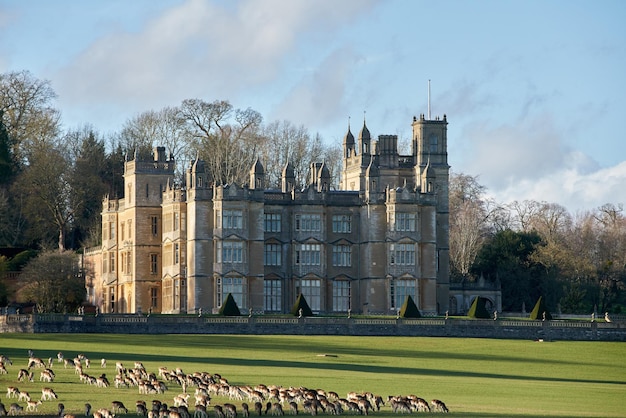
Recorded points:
(257, 176)
(349, 144)
(288, 178)
(365, 141)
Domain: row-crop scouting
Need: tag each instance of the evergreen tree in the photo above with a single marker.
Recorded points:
(478, 309)
(539, 310)
(409, 309)
(229, 307)
(7, 166)
(301, 304)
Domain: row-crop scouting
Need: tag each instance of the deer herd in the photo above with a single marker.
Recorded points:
(197, 388)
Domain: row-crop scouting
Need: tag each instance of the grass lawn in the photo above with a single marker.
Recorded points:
(474, 377)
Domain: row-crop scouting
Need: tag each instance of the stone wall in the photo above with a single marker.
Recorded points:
(268, 325)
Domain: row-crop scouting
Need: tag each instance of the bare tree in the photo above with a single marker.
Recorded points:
(468, 222)
(224, 137)
(523, 213)
(165, 127)
(28, 116)
(284, 142)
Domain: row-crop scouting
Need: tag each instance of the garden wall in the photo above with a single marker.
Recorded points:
(268, 325)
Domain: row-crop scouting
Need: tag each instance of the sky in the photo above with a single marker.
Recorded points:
(534, 91)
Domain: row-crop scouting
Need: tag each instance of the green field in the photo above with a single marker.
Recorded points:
(474, 377)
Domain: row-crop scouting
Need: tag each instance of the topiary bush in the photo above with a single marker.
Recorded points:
(478, 309)
(229, 307)
(301, 304)
(409, 309)
(539, 309)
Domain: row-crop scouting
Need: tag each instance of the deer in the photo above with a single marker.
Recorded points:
(230, 410)
(47, 394)
(35, 362)
(439, 405)
(32, 405)
(23, 396)
(118, 406)
(46, 375)
(200, 412)
(12, 392)
(24, 375)
(15, 409)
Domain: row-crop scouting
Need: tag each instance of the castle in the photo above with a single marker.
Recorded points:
(364, 248)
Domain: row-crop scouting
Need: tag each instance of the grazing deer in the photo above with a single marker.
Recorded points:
(103, 413)
(439, 405)
(141, 408)
(293, 408)
(3, 369)
(118, 406)
(230, 410)
(200, 412)
(32, 405)
(47, 394)
(23, 375)
(258, 408)
(245, 410)
(35, 362)
(181, 399)
(399, 406)
(46, 375)
(103, 363)
(219, 411)
(15, 409)
(102, 381)
(3, 410)
(420, 404)
(23, 396)
(5, 359)
(12, 392)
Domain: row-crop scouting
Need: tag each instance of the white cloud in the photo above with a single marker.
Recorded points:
(197, 49)
(571, 188)
(508, 153)
(319, 98)
(531, 161)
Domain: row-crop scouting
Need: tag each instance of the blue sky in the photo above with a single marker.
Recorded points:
(533, 90)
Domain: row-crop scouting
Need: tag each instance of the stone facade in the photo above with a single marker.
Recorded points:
(364, 248)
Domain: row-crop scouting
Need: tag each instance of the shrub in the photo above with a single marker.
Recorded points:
(478, 309)
(409, 309)
(301, 304)
(539, 309)
(229, 307)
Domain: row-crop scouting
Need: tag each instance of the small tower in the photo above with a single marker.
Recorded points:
(372, 179)
(288, 178)
(323, 178)
(257, 176)
(349, 144)
(365, 144)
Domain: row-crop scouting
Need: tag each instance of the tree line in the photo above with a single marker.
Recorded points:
(577, 262)
(52, 181)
